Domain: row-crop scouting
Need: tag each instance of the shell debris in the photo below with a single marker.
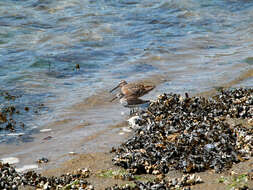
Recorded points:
(190, 134)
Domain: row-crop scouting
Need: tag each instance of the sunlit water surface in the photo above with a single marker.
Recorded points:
(195, 45)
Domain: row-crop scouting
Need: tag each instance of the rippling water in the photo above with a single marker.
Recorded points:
(194, 44)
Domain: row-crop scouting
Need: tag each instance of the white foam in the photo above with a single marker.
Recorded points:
(10, 160)
(45, 130)
(132, 121)
(126, 129)
(15, 134)
(34, 127)
(27, 167)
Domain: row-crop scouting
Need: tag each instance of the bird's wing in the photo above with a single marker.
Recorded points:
(133, 89)
(133, 100)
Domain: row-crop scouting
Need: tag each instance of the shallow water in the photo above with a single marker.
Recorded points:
(188, 45)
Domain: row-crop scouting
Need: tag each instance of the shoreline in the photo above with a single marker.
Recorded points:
(90, 161)
(58, 166)
(210, 178)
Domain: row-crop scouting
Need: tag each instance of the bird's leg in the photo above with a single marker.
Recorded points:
(131, 111)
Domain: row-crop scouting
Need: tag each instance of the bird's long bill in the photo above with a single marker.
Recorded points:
(113, 99)
(114, 89)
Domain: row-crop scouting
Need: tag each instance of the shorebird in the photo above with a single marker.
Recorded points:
(135, 90)
(131, 102)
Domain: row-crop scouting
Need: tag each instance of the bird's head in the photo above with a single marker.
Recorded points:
(121, 83)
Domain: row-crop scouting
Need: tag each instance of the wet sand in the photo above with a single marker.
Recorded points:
(90, 129)
(210, 178)
(248, 74)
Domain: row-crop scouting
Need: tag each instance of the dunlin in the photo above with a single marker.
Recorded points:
(135, 90)
(131, 102)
